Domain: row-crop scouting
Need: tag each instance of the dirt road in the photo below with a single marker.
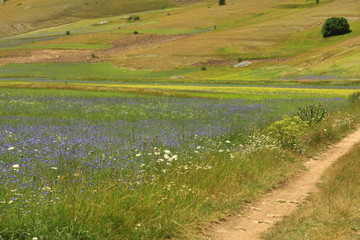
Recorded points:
(259, 216)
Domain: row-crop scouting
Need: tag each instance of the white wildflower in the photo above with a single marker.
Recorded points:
(167, 151)
(160, 160)
(16, 167)
(11, 148)
(46, 188)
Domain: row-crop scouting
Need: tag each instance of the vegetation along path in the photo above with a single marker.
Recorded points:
(257, 217)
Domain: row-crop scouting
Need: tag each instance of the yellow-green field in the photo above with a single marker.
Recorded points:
(202, 91)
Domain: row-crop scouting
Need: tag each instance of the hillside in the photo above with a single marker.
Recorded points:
(276, 40)
(17, 16)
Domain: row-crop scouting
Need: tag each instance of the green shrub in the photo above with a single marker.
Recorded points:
(335, 26)
(133, 18)
(288, 131)
(354, 98)
(312, 114)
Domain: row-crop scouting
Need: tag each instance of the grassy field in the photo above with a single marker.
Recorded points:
(106, 71)
(40, 13)
(210, 91)
(332, 213)
(135, 152)
(109, 109)
(282, 40)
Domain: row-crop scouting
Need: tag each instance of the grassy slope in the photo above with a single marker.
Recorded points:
(332, 213)
(17, 16)
(245, 29)
(249, 29)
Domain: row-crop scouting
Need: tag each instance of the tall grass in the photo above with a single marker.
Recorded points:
(84, 165)
(332, 213)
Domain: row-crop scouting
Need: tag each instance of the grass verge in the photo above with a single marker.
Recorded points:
(332, 213)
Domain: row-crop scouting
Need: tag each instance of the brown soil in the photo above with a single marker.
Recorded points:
(121, 46)
(49, 55)
(143, 41)
(257, 217)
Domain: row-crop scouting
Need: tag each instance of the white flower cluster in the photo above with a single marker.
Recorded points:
(167, 158)
(261, 141)
(347, 121)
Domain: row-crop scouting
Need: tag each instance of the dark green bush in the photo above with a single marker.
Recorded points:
(222, 2)
(133, 18)
(335, 26)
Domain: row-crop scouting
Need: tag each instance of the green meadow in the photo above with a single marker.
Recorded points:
(134, 120)
(133, 165)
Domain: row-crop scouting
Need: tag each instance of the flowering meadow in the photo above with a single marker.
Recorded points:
(98, 165)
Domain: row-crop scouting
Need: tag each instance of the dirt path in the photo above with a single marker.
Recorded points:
(257, 217)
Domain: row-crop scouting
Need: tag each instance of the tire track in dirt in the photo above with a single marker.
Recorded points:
(257, 217)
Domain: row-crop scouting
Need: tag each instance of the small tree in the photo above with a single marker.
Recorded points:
(222, 2)
(335, 26)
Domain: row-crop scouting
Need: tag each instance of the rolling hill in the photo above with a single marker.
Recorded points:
(277, 40)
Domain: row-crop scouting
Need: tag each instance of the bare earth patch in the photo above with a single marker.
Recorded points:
(50, 56)
(257, 217)
(121, 46)
(140, 41)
